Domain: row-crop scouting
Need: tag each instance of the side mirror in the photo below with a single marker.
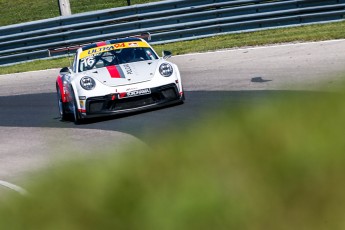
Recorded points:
(65, 70)
(166, 54)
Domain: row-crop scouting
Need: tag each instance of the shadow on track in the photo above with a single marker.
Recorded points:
(40, 110)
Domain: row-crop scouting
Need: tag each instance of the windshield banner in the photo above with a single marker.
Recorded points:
(110, 47)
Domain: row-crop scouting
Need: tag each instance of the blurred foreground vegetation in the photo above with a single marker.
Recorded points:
(276, 165)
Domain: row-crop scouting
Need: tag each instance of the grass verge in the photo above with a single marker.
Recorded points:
(12, 11)
(293, 34)
(78, 6)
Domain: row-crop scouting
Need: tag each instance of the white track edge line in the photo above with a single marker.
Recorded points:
(261, 47)
(13, 187)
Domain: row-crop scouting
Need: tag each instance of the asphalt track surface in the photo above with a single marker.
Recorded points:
(32, 136)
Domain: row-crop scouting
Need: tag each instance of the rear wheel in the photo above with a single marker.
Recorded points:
(62, 106)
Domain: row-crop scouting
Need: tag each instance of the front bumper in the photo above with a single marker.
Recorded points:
(115, 104)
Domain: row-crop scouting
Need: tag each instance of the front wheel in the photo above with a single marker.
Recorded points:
(62, 106)
(76, 113)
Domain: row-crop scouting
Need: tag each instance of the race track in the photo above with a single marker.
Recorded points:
(33, 137)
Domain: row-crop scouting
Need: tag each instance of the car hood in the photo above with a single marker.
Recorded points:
(124, 74)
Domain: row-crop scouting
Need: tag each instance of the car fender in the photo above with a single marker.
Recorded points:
(178, 76)
(73, 87)
(60, 85)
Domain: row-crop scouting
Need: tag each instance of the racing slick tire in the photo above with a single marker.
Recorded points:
(183, 98)
(62, 106)
(76, 114)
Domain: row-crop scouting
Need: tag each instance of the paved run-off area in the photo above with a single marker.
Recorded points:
(287, 66)
(32, 137)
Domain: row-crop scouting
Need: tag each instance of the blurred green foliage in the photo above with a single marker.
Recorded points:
(275, 165)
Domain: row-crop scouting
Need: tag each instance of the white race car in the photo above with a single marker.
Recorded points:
(117, 76)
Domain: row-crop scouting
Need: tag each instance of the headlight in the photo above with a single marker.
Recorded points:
(166, 70)
(87, 83)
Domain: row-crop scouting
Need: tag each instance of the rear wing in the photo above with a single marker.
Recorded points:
(68, 48)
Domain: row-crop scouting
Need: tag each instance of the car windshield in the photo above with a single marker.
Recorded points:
(115, 57)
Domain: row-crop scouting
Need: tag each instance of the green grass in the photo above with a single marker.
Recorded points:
(307, 33)
(293, 34)
(276, 165)
(90, 5)
(18, 11)
(36, 65)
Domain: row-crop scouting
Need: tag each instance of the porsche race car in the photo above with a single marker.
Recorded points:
(117, 76)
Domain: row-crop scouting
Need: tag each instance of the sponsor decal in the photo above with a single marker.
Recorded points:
(133, 44)
(105, 48)
(138, 92)
(128, 69)
(102, 47)
(134, 93)
(122, 95)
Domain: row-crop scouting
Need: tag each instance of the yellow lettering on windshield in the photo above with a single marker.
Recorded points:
(106, 48)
